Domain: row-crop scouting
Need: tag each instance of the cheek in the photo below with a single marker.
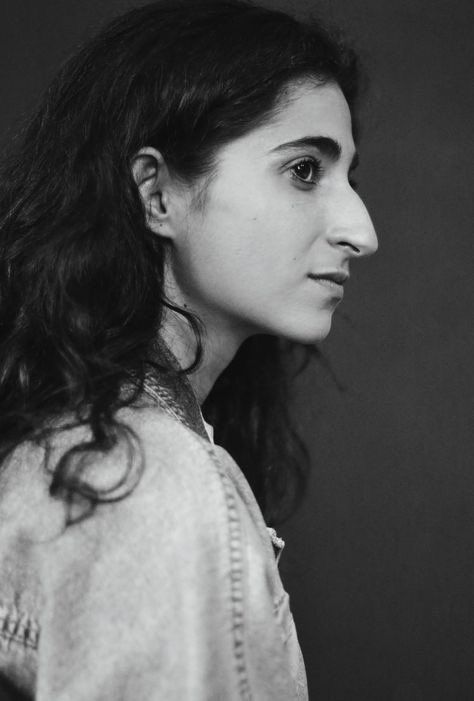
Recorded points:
(248, 247)
(232, 257)
(255, 250)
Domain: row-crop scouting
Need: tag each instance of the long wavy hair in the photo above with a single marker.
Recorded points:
(81, 274)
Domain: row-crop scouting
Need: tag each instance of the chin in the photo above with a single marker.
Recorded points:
(308, 333)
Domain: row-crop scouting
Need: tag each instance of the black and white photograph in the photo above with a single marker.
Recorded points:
(236, 342)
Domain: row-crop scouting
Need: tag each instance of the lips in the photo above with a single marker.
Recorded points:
(337, 276)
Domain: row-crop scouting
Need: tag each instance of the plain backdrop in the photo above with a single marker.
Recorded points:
(379, 561)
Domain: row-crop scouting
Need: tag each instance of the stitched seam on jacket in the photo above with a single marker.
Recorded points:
(235, 539)
(165, 400)
(236, 568)
(18, 627)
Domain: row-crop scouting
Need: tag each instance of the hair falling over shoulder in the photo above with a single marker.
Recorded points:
(81, 274)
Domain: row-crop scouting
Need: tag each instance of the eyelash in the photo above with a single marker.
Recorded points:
(317, 170)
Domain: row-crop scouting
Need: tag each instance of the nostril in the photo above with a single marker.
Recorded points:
(354, 248)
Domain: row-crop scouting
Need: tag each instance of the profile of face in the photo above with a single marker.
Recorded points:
(278, 214)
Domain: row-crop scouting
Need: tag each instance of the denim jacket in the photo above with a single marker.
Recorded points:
(168, 593)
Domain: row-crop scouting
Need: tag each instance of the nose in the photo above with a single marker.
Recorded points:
(351, 227)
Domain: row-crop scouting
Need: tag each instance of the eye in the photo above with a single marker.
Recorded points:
(306, 171)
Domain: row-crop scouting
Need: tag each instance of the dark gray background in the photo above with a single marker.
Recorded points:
(380, 559)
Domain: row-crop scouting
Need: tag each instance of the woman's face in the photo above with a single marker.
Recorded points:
(279, 212)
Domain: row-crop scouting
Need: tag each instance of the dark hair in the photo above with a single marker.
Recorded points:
(81, 275)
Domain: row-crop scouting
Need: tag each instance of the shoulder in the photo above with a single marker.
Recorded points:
(180, 568)
(169, 527)
(177, 480)
(161, 482)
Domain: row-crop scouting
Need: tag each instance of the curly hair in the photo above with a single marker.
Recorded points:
(81, 274)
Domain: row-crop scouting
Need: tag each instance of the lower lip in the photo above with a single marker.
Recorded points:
(330, 286)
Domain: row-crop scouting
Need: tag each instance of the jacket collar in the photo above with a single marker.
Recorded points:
(172, 390)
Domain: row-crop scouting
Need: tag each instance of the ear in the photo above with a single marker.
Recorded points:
(153, 180)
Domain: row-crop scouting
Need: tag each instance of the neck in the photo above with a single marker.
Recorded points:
(219, 347)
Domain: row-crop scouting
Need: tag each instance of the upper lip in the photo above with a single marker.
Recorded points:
(339, 276)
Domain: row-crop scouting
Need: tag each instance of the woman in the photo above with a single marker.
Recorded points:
(179, 212)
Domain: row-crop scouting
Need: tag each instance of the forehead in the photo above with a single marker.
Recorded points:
(309, 102)
(305, 110)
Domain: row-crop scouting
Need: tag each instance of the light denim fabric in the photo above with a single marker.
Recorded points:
(171, 593)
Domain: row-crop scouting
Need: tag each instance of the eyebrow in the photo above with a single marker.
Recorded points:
(327, 146)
